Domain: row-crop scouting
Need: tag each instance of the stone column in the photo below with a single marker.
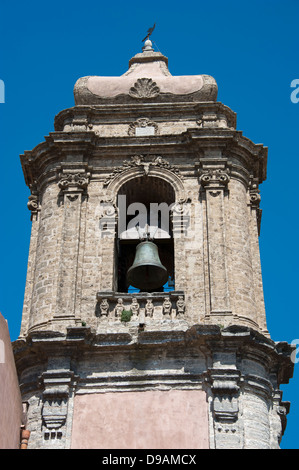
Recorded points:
(108, 226)
(44, 259)
(73, 184)
(257, 401)
(240, 261)
(214, 179)
(254, 227)
(33, 206)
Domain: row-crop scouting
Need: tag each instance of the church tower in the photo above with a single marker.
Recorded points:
(144, 323)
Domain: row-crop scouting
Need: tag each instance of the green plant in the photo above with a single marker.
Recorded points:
(126, 315)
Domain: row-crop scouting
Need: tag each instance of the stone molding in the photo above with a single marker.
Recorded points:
(145, 163)
(247, 158)
(88, 116)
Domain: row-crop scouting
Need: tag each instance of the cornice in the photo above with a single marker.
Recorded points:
(79, 340)
(119, 113)
(233, 145)
(83, 146)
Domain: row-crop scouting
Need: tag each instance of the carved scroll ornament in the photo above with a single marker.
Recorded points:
(143, 123)
(145, 163)
(75, 181)
(214, 178)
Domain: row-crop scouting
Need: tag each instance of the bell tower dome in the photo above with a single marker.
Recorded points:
(144, 287)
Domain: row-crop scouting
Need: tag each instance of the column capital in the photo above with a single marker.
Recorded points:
(73, 180)
(213, 173)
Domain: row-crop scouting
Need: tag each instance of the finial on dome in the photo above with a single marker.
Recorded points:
(148, 46)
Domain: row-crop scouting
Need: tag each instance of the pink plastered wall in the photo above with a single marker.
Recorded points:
(10, 396)
(174, 419)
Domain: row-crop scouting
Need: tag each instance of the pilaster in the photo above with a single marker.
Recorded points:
(214, 178)
(73, 185)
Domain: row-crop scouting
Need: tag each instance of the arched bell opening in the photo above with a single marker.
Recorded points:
(144, 215)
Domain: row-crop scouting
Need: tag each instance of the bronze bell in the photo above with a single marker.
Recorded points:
(147, 272)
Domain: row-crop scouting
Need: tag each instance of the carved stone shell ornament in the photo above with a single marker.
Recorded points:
(144, 88)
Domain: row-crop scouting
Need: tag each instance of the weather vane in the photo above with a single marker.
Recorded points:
(149, 32)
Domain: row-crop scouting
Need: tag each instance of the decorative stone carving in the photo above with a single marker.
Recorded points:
(212, 178)
(167, 306)
(162, 163)
(146, 162)
(72, 197)
(180, 306)
(108, 217)
(73, 181)
(149, 308)
(181, 217)
(32, 204)
(57, 383)
(144, 88)
(33, 200)
(134, 307)
(119, 308)
(254, 201)
(212, 118)
(254, 193)
(104, 307)
(153, 306)
(224, 387)
(54, 415)
(255, 198)
(142, 123)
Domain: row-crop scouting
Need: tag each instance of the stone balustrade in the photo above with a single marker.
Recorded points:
(140, 306)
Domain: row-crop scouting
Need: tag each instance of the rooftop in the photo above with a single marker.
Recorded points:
(147, 78)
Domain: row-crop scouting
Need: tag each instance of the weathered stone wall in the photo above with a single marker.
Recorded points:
(70, 260)
(242, 292)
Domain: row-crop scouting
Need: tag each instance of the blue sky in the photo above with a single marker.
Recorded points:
(249, 47)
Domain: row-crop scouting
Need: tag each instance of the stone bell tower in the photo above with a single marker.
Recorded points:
(110, 361)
